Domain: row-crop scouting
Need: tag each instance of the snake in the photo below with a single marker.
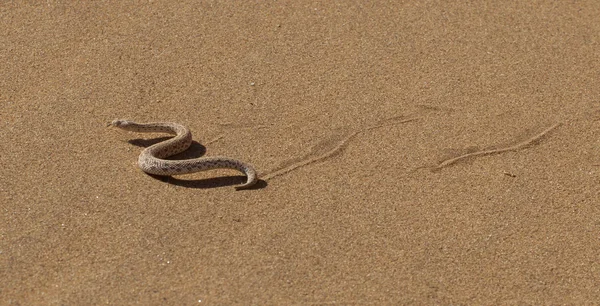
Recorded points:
(152, 159)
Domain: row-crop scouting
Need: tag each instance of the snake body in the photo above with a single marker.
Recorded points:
(152, 161)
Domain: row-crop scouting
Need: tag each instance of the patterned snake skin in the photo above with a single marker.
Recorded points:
(152, 160)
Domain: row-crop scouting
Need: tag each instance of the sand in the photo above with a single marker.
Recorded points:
(410, 153)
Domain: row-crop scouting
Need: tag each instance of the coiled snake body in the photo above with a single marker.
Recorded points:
(152, 161)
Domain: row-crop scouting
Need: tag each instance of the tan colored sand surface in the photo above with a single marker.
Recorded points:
(416, 152)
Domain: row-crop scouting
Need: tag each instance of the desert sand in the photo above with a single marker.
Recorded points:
(409, 153)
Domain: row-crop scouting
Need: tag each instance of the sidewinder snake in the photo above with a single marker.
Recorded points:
(152, 161)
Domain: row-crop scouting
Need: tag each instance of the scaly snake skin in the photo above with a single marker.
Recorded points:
(152, 160)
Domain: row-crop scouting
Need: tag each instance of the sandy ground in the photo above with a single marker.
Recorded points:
(410, 153)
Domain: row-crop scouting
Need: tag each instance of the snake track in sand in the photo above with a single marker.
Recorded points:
(152, 161)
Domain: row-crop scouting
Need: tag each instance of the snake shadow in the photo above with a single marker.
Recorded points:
(195, 150)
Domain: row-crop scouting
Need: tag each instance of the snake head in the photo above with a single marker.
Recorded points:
(123, 124)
